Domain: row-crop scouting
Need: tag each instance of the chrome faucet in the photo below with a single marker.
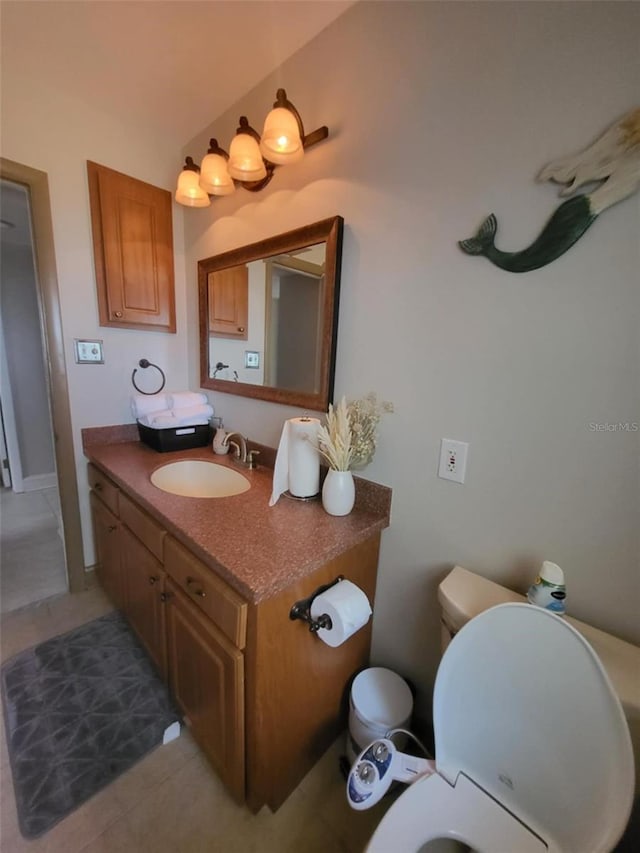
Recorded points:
(239, 442)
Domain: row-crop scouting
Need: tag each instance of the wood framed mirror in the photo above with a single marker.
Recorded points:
(269, 317)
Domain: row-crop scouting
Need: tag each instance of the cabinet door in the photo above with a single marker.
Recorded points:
(144, 598)
(206, 675)
(229, 302)
(133, 249)
(107, 531)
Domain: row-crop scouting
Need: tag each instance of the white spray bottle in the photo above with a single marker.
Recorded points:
(548, 590)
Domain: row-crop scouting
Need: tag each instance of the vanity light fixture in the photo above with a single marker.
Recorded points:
(251, 160)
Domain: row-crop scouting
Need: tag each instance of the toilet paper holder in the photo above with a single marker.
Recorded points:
(302, 609)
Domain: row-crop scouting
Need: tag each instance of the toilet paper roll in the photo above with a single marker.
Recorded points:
(297, 467)
(349, 610)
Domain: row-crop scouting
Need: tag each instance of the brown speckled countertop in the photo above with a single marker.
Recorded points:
(257, 549)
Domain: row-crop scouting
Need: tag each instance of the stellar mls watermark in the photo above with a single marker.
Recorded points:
(620, 426)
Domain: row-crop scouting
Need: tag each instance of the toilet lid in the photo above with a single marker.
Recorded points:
(524, 708)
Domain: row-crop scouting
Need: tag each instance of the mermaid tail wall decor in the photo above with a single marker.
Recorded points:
(614, 159)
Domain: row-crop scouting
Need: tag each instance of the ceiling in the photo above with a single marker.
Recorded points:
(144, 60)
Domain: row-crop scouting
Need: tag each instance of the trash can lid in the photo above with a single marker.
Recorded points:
(381, 697)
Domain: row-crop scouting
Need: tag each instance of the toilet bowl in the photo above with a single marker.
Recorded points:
(533, 751)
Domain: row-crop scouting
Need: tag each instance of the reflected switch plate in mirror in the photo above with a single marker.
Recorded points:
(251, 359)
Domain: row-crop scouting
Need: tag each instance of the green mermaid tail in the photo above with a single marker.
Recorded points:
(566, 226)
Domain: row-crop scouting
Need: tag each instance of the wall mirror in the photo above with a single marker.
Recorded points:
(269, 317)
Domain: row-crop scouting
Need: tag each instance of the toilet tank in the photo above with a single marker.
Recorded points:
(463, 594)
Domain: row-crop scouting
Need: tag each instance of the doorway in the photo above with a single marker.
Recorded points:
(35, 410)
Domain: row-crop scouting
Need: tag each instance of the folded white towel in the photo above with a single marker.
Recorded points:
(202, 411)
(145, 404)
(190, 416)
(174, 423)
(185, 399)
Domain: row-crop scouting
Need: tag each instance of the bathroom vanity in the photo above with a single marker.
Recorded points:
(207, 584)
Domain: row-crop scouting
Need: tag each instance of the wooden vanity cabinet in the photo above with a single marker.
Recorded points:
(133, 251)
(144, 580)
(206, 632)
(264, 697)
(215, 598)
(129, 546)
(206, 677)
(297, 686)
(107, 533)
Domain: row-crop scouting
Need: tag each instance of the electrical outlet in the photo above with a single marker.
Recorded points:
(453, 460)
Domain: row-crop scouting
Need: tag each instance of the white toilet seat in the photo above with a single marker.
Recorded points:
(531, 743)
(433, 809)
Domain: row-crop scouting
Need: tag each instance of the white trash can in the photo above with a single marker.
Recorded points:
(379, 700)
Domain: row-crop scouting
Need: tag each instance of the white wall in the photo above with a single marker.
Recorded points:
(440, 113)
(45, 129)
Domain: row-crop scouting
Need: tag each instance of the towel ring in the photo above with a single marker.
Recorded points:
(145, 363)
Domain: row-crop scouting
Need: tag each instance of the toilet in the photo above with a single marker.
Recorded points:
(533, 750)
(464, 594)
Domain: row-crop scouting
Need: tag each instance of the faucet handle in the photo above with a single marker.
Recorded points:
(236, 446)
(251, 458)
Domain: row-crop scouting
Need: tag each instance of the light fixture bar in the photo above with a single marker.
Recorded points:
(252, 163)
(315, 136)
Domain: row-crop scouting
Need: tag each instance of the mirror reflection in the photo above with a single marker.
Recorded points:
(276, 340)
(269, 316)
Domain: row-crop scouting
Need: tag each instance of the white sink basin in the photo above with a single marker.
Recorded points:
(195, 478)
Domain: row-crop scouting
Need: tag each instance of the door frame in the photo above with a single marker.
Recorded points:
(9, 432)
(5, 473)
(37, 184)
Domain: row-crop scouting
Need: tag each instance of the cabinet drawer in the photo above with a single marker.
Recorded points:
(221, 604)
(106, 490)
(145, 528)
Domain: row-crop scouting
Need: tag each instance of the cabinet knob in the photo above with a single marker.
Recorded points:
(199, 592)
(153, 579)
(117, 314)
(111, 528)
(165, 596)
(241, 328)
(97, 487)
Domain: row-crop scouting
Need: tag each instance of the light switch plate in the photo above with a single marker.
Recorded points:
(251, 359)
(88, 352)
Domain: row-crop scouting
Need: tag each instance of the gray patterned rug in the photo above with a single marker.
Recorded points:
(80, 709)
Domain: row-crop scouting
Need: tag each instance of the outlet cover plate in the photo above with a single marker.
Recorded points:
(453, 460)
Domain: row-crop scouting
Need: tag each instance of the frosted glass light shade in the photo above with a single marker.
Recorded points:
(245, 160)
(189, 191)
(214, 176)
(281, 143)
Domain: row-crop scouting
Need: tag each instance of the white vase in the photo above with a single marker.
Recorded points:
(338, 492)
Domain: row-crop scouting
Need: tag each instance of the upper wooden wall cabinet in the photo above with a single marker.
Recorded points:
(229, 302)
(133, 251)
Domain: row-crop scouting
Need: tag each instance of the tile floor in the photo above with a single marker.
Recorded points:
(32, 563)
(171, 801)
